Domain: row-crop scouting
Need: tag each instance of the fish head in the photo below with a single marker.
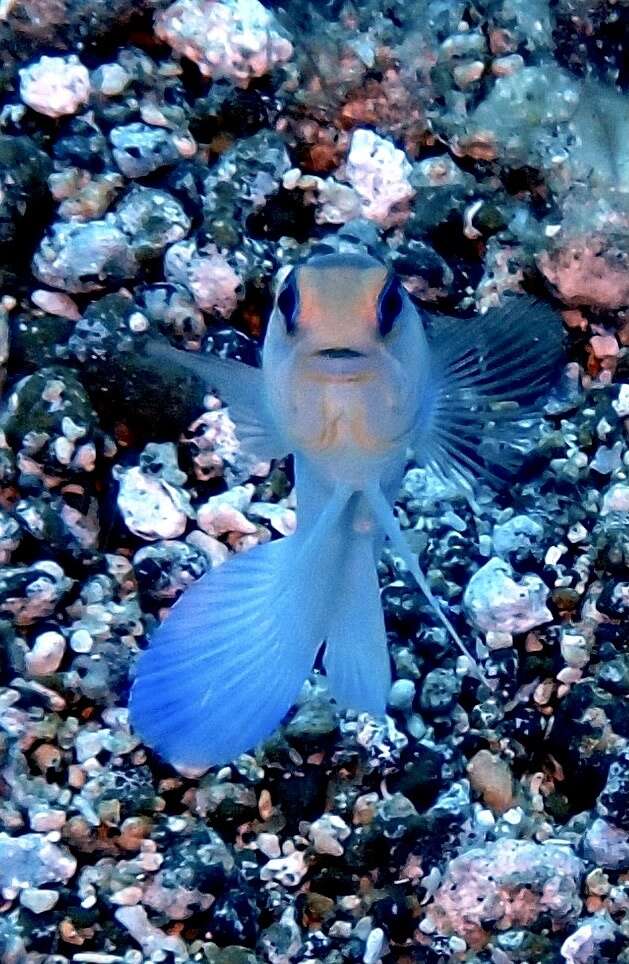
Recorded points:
(341, 315)
(344, 352)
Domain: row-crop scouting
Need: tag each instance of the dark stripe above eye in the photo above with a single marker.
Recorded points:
(390, 304)
(288, 302)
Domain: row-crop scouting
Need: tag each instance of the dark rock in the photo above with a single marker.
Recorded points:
(234, 917)
(37, 340)
(82, 144)
(439, 692)
(613, 800)
(420, 777)
(24, 200)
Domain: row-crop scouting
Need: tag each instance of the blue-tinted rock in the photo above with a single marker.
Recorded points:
(139, 149)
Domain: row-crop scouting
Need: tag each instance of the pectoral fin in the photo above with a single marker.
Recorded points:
(491, 375)
(240, 387)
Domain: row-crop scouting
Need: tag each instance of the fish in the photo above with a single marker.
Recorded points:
(355, 380)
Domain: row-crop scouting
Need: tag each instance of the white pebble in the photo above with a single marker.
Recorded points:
(38, 901)
(81, 641)
(495, 602)
(216, 551)
(621, 404)
(237, 39)
(63, 449)
(56, 303)
(379, 174)
(55, 86)
(616, 498)
(138, 322)
(150, 506)
(110, 79)
(402, 694)
(288, 871)
(374, 946)
(46, 821)
(71, 430)
(46, 655)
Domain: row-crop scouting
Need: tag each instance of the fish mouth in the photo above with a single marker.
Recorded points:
(339, 353)
(339, 365)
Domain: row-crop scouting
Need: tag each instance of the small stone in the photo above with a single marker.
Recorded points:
(223, 513)
(63, 449)
(379, 173)
(495, 602)
(127, 896)
(616, 498)
(151, 939)
(327, 833)
(140, 150)
(402, 694)
(613, 800)
(586, 944)
(55, 86)
(206, 274)
(374, 946)
(110, 79)
(604, 346)
(574, 649)
(621, 404)
(46, 821)
(81, 641)
(496, 640)
(215, 551)
(152, 219)
(269, 845)
(439, 692)
(46, 655)
(467, 74)
(237, 39)
(56, 303)
(491, 777)
(577, 533)
(38, 901)
(30, 860)
(150, 507)
(288, 871)
(606, 845)
(506, 66)
(81, 257)
(519, 536)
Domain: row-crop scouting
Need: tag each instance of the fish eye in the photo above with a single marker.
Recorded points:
(288, 302)
(390, 304)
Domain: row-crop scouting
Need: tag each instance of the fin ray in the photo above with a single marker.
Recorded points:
(386, 518)
(356, 659)
(206, 690)
(241, 388)
(510, 354)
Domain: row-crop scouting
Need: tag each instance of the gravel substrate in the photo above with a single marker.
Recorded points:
(159, 162)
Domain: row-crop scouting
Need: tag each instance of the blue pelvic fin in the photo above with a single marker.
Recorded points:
(230, 658)
(387, 520)
(356, 658)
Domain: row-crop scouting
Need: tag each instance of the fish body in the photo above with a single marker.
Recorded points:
(350, 384)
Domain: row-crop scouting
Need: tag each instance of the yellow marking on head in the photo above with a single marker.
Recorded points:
(338, 303)
(363, 437)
